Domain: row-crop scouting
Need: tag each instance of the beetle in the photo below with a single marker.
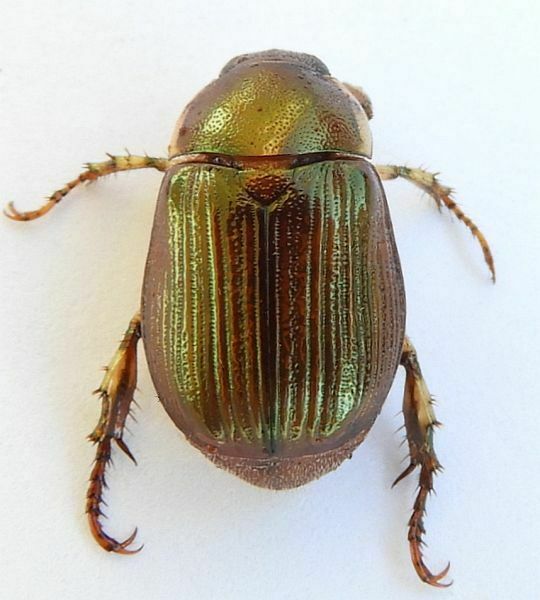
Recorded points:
(273, 305)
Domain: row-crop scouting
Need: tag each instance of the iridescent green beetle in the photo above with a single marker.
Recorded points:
(273, 309)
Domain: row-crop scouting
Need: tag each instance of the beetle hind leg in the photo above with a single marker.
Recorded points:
(116, 393)
(442, 195)
(420, 422)
(93, 171)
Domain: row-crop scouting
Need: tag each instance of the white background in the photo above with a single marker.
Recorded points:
(455, 87)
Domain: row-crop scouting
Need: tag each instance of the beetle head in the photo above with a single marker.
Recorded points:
(307, 61)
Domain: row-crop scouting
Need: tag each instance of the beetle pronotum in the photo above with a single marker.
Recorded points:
(273, 308)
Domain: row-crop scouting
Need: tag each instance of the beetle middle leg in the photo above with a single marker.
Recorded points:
(93, 171)
(420, 422)
(116, 393)
(443, 197)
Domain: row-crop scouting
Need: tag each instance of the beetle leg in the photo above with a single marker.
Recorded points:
(362, 97)
(443, 196)
(116, 393)
(93, 171)
(420, 422)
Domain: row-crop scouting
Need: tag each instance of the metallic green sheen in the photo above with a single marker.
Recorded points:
(265, 311)
(270, 107)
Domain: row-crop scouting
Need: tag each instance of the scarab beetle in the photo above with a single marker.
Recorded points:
(273, 308)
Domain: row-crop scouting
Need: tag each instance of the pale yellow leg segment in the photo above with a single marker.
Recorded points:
(420, 422)
(116, 393)
(93, 171)
(443, 196)
(362, 97)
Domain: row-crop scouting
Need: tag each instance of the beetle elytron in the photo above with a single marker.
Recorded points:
(273, 309)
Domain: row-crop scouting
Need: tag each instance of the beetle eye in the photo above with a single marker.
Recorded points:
(306, 60)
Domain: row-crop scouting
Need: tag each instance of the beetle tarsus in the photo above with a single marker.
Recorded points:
(93, 171)
(94, 502)
(15, 215)
(420, 422)
(416, 525)
(116, 393)
(442, 195)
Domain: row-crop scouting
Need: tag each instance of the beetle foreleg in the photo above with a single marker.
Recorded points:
(116, 393)
(362, 97)
(419, 423)
(442, 196)
(93, 171)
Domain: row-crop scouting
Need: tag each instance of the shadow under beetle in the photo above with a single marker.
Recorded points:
(273, 308)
